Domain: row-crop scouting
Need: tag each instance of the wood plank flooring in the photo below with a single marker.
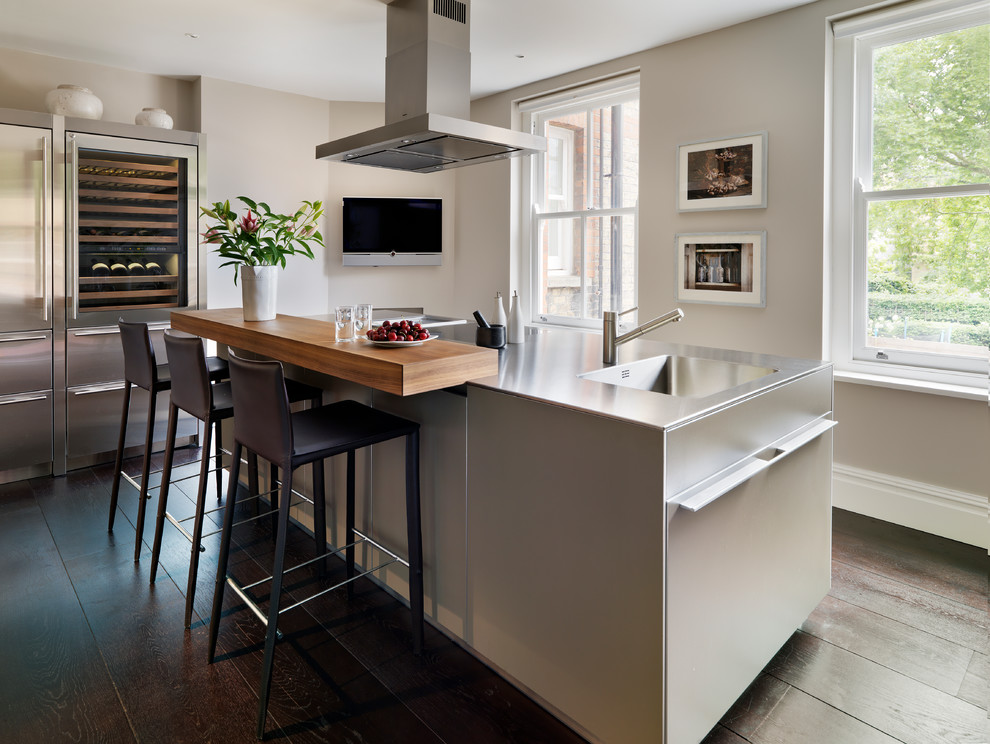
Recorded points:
(91, 652)
(897, 652)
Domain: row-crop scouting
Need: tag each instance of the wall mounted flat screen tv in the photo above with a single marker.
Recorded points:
(392, 231)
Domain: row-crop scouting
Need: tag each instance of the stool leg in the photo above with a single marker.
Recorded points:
(272, 629)
(349, 523)
(252, 461)
(228, 527)
(197, 533)
(415, 538)
(320, 513)
(273, 494)
(149, 439)
(156, 545)
(118, 462)
(218, 457)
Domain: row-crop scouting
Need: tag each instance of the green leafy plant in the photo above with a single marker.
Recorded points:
(261, 237)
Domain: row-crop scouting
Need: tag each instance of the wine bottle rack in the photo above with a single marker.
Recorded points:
(130, 212)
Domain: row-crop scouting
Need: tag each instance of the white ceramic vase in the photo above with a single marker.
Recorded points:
(259, 289)
(154, 117)
(74, 100)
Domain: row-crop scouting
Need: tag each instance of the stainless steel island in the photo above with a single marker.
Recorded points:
(630, 558)
(633, 558)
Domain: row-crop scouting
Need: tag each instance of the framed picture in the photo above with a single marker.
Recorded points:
(722, 268)
(723, 174)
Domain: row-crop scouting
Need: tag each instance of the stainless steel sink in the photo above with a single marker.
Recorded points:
(686, 377)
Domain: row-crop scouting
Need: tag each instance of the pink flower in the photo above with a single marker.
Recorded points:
(211, 236)
(249, 223)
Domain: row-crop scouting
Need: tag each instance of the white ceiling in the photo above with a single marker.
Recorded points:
(335, 49)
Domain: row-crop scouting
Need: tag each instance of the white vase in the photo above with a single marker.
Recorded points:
(74, 100)
(153, 117)
(259, 287)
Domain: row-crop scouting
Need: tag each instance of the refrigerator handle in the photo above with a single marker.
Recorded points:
(46, 240)
(72, 186)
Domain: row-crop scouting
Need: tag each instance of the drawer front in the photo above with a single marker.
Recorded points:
(25, 362)
(25, 429)
(95, 355)
(93, 419)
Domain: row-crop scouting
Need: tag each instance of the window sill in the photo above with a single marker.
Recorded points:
(975, 391)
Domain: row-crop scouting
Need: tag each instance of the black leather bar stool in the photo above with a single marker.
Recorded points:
(193, 393)
(141, 369)
(264, 424)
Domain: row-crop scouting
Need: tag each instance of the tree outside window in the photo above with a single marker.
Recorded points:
(924, 165)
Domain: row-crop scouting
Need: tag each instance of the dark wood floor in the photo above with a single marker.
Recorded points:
(897, 651)
(92, 653)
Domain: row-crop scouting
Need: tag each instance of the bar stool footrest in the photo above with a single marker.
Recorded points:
(182, 530)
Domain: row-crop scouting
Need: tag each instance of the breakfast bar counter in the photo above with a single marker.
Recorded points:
(309, 343)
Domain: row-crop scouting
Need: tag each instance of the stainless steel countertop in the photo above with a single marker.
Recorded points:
(546, 368)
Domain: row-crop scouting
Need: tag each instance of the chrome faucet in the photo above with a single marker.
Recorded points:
(610, 341)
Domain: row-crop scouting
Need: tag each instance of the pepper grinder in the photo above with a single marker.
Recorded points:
(500, 318)
(517, 330)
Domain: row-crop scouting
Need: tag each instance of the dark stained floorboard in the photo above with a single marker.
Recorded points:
(894, 653)
(54, 685)
(914, 653)
(93, 653)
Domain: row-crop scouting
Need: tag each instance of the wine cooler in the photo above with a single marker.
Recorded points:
(132, 222)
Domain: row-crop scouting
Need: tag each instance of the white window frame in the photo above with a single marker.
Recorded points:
(598, 94)
(853, 40)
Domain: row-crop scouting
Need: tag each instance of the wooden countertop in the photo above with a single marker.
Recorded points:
(309, 343)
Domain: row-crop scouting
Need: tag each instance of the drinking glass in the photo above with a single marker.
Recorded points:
(362, 319)
(345, 322)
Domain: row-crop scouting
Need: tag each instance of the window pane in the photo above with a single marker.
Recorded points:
(931, 103)
(600, 162)
(560, 278)
(610, 264)
(615, 156)
(566, 177)
(928, 273)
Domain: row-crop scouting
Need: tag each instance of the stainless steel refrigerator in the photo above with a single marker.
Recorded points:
(99, 222)
(26, 296)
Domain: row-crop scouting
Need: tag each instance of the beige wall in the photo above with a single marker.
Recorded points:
(25, 78)
(767, 74)
(261, 143)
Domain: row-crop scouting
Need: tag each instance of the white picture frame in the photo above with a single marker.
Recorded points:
(728, 173)
(721, 268)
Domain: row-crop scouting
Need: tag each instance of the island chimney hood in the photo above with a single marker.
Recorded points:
(428, 98)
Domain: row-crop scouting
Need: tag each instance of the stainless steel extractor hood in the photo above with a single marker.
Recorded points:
(427, 98)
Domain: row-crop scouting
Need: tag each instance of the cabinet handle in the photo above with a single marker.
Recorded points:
(11, 339)
(97, 332)
(103, 388)
(160, 326)
(22, 399)
(73, 220)
(46, 241)
(699, 496)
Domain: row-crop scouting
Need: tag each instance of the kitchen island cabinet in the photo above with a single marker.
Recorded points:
(630, 559)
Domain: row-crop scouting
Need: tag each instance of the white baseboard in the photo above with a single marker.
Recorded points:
(956, 515)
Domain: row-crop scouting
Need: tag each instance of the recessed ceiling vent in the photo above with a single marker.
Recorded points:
(428, 98)
(452, 9)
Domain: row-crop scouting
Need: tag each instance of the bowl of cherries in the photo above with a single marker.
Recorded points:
(402, 333)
